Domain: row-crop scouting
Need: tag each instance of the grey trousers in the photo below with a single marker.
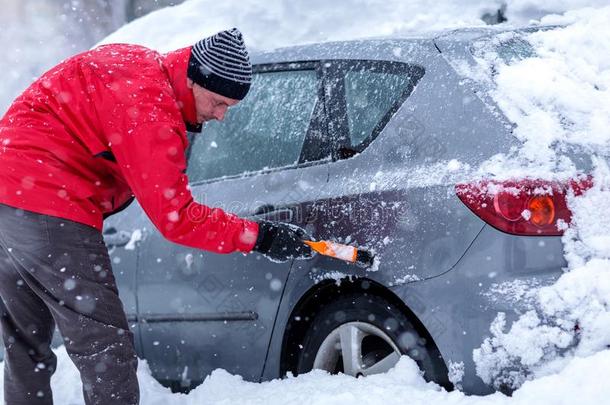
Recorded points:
(57, 272)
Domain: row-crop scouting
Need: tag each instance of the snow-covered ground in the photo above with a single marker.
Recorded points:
(581, 381)
(560, 101)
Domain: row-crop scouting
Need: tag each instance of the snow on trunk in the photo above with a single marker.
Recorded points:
(560, 100)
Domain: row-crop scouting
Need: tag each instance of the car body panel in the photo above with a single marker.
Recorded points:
(399, 192)
(497, 274)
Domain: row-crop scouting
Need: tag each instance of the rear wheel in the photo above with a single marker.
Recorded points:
(361, 335)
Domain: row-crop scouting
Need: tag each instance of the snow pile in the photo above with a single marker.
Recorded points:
(567, 319)
(561, 97)
(582, 381)
(560, 101)
(277, 23)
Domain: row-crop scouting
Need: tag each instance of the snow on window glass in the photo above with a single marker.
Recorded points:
(508, 47)
(369, 96)
(265, 130)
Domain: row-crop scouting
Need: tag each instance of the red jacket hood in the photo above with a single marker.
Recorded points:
(176, 63)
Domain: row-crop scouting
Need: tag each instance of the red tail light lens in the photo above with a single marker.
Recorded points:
(542, 210)
(509, 206)
(526, 207)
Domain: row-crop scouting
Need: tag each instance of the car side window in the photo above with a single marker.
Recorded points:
(369, 96)
(265, 130)
(365, 94)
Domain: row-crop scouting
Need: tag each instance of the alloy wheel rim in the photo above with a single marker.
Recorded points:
(345, 343)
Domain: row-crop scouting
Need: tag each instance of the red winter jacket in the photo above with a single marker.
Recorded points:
(106, 125)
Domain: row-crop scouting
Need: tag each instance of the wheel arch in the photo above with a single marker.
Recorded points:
(325, 292)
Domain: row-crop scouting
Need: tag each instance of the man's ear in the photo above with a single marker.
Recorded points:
(189, 83)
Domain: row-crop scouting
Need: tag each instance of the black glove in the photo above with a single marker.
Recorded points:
(281, 242)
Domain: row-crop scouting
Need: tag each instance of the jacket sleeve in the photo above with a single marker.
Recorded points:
(147, 136)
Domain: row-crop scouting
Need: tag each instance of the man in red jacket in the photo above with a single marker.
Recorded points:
(78, 145)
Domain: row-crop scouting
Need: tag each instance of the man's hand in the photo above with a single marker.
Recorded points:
(280, 242)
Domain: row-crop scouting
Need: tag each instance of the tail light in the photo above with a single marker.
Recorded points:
(522, 207)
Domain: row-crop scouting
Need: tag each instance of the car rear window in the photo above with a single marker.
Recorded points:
(506, 48)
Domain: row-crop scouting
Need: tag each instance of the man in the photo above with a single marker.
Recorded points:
(78, 145)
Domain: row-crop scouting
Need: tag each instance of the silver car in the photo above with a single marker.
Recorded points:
(361, 143)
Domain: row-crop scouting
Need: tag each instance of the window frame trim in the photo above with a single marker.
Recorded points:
(333, 107)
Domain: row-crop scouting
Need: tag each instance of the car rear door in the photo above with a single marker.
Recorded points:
(201, 310)
(383, 193)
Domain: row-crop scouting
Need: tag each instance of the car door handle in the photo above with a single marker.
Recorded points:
(114, 237)
(271, 213)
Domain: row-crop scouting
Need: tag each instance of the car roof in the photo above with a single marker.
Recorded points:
(395, 49)
(410, 47)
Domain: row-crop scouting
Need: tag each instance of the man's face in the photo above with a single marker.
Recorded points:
(209, 105)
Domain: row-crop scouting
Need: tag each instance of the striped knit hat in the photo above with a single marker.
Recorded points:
(220, 63)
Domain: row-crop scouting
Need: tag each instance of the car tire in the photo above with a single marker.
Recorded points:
(381, 332)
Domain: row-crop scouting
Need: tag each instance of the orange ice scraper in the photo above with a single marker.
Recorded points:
(344, 252)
